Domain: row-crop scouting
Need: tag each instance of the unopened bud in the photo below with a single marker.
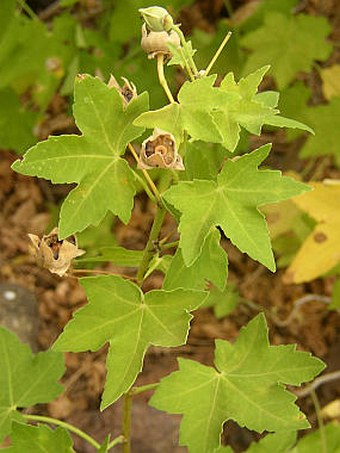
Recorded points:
(157, 18)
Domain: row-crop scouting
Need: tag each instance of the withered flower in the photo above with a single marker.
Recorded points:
(54, 254)
(128, 91)
(160, 151)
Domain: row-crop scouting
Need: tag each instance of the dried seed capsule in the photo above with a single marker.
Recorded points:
(154, 42)
(54, 254)
(157, 18)
(128, 91)
(160, 151)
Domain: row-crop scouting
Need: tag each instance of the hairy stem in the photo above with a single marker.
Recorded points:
(71, 428)
(217, 53)
(162, 79)
(127, 423)
(148, 251)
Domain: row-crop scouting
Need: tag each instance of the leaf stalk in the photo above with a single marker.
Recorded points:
(162, 79)
(68, 426)
(217, 53)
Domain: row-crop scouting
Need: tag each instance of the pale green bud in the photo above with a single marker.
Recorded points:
(157, 18)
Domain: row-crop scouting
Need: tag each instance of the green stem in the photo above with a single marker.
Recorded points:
(217, 53)
(71, 428)
(169, 245)
(320, 421)
(145, 187)
(116, 441)
(28, 10)
(186, 64)
(162, 79)
(127, 423)
(192, 64)
(148, 251)
(143, 388)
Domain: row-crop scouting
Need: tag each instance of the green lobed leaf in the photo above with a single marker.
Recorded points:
(231, 202)
(25, 379)
(92, 160)
(212, 265)
(119, 313)
(203, 160)
(216, 114)
(39, 439)
(223, 301)
(279, 442)
(247, 386)
(291, 34)
(324, 120)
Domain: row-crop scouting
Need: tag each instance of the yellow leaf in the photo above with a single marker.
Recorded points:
(331, 81)
(321, 250)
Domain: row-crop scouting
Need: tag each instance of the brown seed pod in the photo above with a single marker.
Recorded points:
(128, 91)
(159, 151)
(156, 42)
(54, 254)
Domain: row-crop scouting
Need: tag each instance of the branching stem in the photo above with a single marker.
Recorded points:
(148, 251)
(71, 428)
(162, 79)
(116, 441)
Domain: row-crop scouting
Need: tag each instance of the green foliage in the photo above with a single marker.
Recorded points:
(243, 388)
(324, 120)
(92, 160)
(216, 114)
(119, 313)
(211, 265)
(25, 379)
(223, 301)
(316, 441)
(291, 34)
(231, 202)
(280, 442)
(39, 439)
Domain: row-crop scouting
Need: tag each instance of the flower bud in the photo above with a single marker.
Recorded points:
(157, 18)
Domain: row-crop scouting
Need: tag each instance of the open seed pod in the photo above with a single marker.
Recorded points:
(156, 42)
(128, 91)
(160, 151)
(54, 254)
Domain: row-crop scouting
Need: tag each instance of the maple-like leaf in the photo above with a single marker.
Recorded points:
(321, 250)
(119, 313)
(39, 439)
(216, 114)
(325, 121)
(92, 160)
(212, 265)
(25, 379)
(231, 202)
(290, 34)
(246, 386)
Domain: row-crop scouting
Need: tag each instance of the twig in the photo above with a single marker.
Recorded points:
(328, 377)
(320, 421)
(127, 423)
(73, 429)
